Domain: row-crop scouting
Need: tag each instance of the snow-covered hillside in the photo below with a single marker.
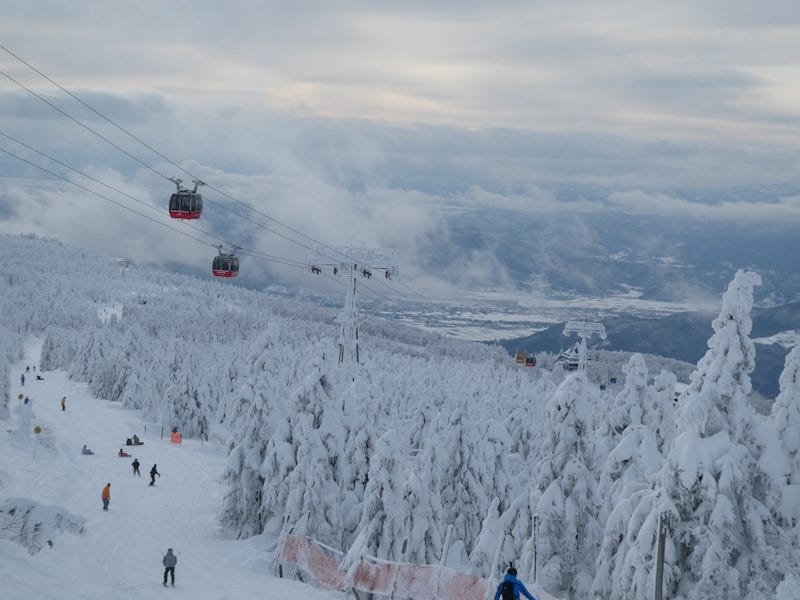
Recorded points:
(434, 450)
(115, 554)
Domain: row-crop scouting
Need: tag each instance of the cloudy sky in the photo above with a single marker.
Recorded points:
(371, 120)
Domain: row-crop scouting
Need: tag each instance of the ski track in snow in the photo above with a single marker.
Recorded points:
(119, 556)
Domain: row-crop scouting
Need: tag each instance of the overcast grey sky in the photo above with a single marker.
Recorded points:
(366, 118)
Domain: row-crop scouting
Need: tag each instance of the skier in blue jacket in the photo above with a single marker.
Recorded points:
(510, 587)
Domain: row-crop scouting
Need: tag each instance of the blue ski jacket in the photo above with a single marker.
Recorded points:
(518, 587)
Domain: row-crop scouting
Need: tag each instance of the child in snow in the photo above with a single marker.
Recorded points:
(135, 465)
(153, 473)
(22, 379)
(123, 454)
(86, 450)
(169, 561)
(63, 403)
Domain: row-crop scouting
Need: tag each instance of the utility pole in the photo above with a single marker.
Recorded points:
(662, 537)
(355, 264)
(584, 330)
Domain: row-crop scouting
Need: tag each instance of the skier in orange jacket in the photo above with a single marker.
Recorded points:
(106, 496)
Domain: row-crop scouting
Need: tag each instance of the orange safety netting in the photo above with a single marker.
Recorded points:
(417, 582)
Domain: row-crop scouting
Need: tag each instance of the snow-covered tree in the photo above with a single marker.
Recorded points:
(34, 525)
(628, 405)
(786, 420)
(658, 413)
(629, 525)
(359, 445)
(382, 528)
(242, 508)
(786, 414)
(714, 487)
(307, 482)
(513, 532)
(462, 461)
(566, 484)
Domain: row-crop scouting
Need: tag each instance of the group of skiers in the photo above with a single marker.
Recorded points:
(22, 378)
(170, 560)
(106, 494)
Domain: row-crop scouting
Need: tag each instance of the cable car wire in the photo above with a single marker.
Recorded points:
(110, 187)
(86, 127)
(151, 168)
(156, 171)
(155, 151)
(149, 147)
(120, 204)
(255, 254)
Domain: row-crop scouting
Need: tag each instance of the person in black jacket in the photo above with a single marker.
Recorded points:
(153, 473)
(135, 465)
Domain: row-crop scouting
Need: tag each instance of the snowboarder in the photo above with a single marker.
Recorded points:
(153, 473)
(86, 450)
(63, 403)
(169, 561)
(135, 465)
(106, 496)
(22, 379)
(510, 587)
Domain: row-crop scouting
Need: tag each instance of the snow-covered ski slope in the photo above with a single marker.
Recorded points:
(119, 555)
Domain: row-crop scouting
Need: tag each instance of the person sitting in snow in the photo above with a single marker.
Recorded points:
(122, 453)
(136, 441)
(511, 587)
(86, 450)
(39, 378)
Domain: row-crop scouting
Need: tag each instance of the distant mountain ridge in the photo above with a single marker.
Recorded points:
(682, 336)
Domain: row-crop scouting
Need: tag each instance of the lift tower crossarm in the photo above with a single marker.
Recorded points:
(585, 330)
(356, 263)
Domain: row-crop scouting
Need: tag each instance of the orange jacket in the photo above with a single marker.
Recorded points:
(106, 492)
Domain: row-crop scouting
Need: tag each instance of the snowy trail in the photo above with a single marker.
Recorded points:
(120, 554)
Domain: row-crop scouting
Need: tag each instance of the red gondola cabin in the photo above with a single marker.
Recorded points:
(186, 204)
(225, 265)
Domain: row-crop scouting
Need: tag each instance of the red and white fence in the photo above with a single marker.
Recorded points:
(416, 582)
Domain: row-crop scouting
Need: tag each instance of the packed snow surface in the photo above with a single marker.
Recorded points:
(119, 554)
